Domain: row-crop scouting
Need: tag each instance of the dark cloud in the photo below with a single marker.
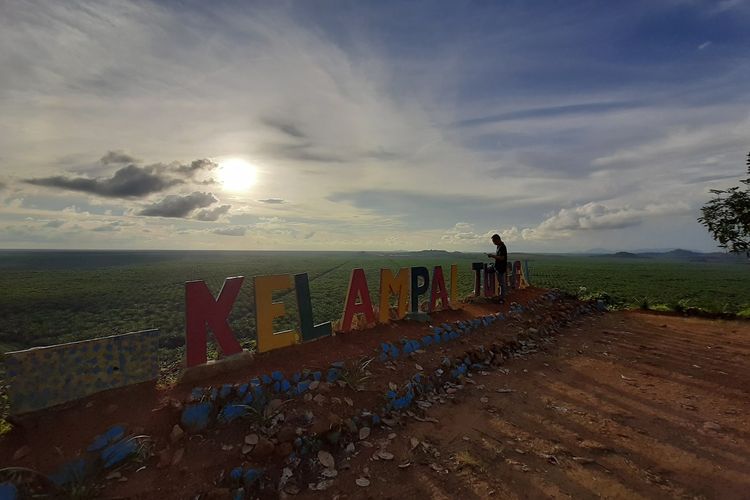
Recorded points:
(127, 182)
(54, 223)
(272, 201)
(231, 231)
(117, 157)
(197, 166)
(284, 127)
(212, 214)
(552, 111)
(303, 152)
(179, 206)
(308, 235)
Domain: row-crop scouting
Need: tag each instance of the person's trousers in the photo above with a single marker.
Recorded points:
(503, 285)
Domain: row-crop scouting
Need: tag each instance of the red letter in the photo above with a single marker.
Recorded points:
(357, 289)
(438, 290)
(200, 310)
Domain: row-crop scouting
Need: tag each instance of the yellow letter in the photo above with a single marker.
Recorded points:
(397, 285)
(266, 310)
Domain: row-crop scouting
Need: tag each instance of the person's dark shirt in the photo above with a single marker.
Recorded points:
(502, 263)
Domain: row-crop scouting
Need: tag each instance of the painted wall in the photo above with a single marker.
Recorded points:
(47, 376)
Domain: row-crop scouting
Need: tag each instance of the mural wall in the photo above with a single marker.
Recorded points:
(47, 376)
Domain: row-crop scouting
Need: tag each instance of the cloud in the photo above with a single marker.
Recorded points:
(2, 185)
(196, 166)
(704, 45)
(117, 157)
(230, 231)
(54, 223)
(598, 216)
(179, 206)
(128, 182)
(212, 214)
(285, 127)
(107, 228)
(272, 201)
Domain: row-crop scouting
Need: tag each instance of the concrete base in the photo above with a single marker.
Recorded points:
(418, 316)
(196, 374)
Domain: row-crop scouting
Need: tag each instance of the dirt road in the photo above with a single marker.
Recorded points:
(625, 405)
(615, 405)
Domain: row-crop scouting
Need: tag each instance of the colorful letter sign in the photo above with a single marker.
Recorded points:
(310, 330)
(357, 291)
(397, 285)
(266, 310)
(202, 310)
(438, 292)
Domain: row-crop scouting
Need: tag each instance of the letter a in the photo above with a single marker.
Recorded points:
(357, 290)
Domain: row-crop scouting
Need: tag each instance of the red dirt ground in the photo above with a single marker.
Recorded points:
(623, 405)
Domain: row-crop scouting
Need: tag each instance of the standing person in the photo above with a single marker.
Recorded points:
(501, 263)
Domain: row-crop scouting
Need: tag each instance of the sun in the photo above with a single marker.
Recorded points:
(236, 174)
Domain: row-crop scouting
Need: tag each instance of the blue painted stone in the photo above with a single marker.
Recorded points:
(296, 377)
(8, 491)
(436, 338)
(285, 385)
(383, 356)
(71, 472)
(255, 382)
(375, 419)
(239, 494)
(232, 412)
(337, 364)
(197, 393)
(277, 376)
(266, 379)
(242, 389)
(317, 376)
(408, 349)
(118, 453)
(446, 326)
(196, 417)
(276, 386)
(111, 435)
(214, 394)
(302, 387)
(225, 391)
(332, 375)
(391, 394)
(394, 352)
(251, 476)
(385, 347)
(236, 473)
(427, 340)
(437, 331)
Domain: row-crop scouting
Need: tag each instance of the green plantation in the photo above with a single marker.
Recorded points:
(54, 297)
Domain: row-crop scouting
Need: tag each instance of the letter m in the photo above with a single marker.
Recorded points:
(202, 311)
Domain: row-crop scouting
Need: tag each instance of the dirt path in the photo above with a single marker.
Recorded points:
(619, 405)
(625, 405)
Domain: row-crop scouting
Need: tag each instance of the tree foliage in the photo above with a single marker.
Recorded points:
(727, 216)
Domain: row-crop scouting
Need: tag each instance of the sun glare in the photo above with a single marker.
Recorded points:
(236, 174)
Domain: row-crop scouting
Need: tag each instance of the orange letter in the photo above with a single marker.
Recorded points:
(397, 285)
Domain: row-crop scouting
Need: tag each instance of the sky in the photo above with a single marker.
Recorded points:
(564, 126)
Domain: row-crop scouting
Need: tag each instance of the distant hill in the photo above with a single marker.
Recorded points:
(677, 255)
